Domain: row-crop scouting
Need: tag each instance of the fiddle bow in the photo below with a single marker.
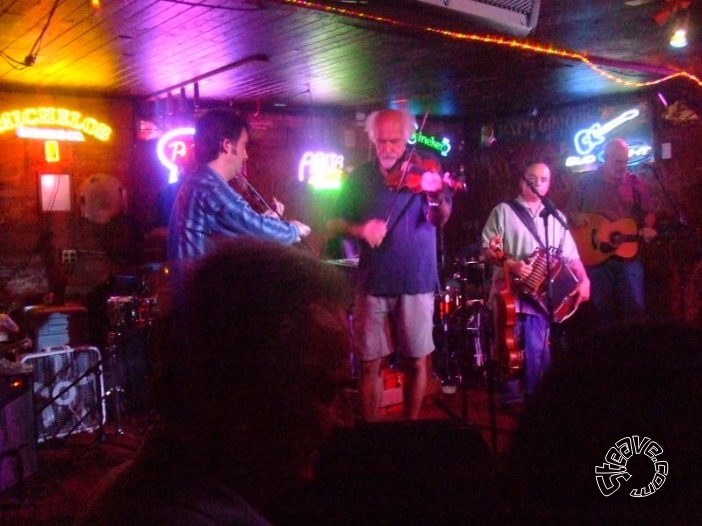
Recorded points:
(405, 169)
(260, 205)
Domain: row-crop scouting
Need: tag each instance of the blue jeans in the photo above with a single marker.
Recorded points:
(533, 332)
(617, 290)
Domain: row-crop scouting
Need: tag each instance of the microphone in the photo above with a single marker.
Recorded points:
(549, 208)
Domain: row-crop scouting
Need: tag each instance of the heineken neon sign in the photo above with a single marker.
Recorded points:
(443, 146)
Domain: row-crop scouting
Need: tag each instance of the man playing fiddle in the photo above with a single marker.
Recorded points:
(509, 242)
(397, 270)
(207, 207)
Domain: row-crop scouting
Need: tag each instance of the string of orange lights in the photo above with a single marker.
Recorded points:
(501, 41)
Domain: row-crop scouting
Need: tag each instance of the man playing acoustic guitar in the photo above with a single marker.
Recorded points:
(610, 211)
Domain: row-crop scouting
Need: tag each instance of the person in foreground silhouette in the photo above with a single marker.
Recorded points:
(255, 355)
(574, 457)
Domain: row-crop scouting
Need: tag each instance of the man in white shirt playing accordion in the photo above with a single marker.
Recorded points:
(517, 238)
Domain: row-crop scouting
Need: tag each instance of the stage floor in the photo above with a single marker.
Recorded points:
(70, 469)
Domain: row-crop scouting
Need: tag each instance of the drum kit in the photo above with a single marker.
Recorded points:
(462, 329)
(130, 319)
(131, 311)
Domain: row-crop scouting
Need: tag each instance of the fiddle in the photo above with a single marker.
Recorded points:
(408, 174)
(506, 351)
(259, 205)
(242, 185)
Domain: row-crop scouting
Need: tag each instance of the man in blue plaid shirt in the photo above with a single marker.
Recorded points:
(207, 208)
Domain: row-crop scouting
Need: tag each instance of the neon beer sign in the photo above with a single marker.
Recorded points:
(443, 146)
(41, 123)
(637, 154)
(588, 139)
(172, 150)
(321, 170)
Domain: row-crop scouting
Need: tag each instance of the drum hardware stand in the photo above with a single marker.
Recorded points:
(476, 325)
(116, 391)
(485, 364)
(449, 388)
(460, 379)
(490, 368)
(130, 317)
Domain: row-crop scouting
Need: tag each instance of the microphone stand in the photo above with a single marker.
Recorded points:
(680, 231)
(672, 202)
(549, 210)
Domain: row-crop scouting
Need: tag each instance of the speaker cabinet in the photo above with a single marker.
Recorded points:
(18, 454)
(68, 391)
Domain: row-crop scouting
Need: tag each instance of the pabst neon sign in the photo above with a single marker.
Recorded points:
(173, 149)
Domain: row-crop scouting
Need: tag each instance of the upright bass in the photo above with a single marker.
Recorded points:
(506, 351)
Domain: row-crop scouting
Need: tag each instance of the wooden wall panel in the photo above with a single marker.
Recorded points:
(33, 241)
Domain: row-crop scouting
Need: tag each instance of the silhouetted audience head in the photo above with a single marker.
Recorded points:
(256, 353)
(256, 347)
(614, 433)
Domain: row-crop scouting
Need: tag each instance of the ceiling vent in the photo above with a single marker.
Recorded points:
(517, 17)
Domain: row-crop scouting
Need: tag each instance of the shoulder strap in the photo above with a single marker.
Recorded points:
(523, 214)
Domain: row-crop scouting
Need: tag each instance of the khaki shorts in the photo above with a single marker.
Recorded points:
(396, 323)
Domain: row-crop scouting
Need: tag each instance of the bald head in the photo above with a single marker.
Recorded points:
(616, 157)
(539, 175)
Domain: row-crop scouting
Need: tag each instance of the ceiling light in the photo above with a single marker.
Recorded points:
(679, 36)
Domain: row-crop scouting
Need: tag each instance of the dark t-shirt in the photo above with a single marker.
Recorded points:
(406, 260)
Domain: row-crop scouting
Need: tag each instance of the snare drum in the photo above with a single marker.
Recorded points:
(448, 301)
(121, 310)
(147, 310)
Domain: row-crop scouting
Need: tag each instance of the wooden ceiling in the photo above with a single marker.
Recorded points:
(353, 54)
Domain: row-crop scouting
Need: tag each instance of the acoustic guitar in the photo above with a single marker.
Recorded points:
(598, 239)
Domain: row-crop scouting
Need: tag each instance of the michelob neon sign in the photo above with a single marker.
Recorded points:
(32, 123)
(443, 146)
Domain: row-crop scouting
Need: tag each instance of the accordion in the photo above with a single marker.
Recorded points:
(563, 284)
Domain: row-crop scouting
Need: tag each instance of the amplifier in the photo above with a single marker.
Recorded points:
(68, 391)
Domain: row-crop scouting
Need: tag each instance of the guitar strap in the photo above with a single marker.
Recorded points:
(523, 214)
